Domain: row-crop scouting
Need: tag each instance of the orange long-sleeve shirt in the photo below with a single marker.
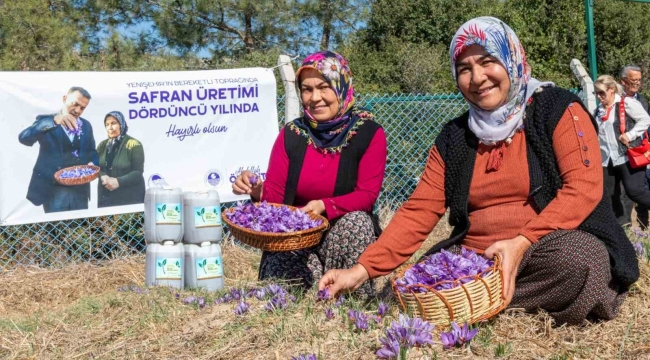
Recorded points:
(499, 205)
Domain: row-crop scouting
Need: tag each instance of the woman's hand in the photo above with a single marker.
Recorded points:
(243, 185)
(110, 183)
(511, 253)
(315, 206)
(343, 279)
(624, 139)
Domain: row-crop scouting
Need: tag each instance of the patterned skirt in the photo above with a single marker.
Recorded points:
(340, 248)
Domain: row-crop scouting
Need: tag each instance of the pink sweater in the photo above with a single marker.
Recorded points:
(318, 177)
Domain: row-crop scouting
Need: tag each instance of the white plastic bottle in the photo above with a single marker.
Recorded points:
(163, 214)
(204, 266)
(164, 265)
(202, 221)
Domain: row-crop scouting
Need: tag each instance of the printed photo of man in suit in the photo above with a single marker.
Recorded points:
(65, 139)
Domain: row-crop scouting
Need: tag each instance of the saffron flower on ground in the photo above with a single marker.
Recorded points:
(640, 249)
(329, 314)
(304, 357)
(404, 334)
(324, 294)
(382, 309)
(241, 308)
(458, 336)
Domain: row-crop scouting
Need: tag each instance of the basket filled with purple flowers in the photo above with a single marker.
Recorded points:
(447, 287)
(274, 227)
(76, 175)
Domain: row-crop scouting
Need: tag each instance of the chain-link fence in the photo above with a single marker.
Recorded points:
(411, 123)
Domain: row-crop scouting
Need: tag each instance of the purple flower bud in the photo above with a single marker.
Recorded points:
(241, 308)
(201, 302)
(382, 309)
(329, 314)
(189, 300)
(253, 179)
(304, 357)
(324, 294)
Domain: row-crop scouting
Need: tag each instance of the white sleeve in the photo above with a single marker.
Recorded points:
(635, 110)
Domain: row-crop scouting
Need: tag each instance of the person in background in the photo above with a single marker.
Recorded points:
(121, 160)
(330, 161)
(631, 78)
(520, 174)
(65, 139)
(613, 146)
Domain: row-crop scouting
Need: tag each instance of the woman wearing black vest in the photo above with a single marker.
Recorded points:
(520, 176)
(331, 161)
(616, 167)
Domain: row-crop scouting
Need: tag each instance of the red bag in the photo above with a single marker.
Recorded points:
(639, 156)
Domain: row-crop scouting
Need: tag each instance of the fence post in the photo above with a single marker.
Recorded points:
(291, 100)
(586, 83)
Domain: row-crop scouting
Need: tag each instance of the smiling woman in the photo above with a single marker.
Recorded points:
(330, 161)
(522, 163)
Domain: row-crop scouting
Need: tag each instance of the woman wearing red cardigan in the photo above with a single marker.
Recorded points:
(330, 161)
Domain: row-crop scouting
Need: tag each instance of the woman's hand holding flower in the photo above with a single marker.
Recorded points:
(246, 184)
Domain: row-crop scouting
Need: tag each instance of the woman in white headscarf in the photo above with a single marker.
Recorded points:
(520, 174)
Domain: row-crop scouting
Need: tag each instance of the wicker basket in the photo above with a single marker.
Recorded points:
(476, 300)
(79, 180)
(278, 242)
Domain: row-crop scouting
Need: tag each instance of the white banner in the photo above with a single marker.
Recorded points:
(195, 129)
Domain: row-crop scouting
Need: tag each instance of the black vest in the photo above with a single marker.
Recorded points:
(346, 178)
(458, 147)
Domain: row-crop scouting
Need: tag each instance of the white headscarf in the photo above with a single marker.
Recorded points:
(500, 41)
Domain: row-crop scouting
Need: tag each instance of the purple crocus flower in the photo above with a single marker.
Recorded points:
(75, 153)
(463, 334)
(76, 131)
(404, 334)
(278, 302)
(340, 301)
(329, 314)
(275, 289)
(177, 295)
(382, 309)
(304, 357)
(253, 179)
(324, 294)
(236, 294)
(448, 340)
(260, 294)
(359, 319)
(241, 308)
(189, 300)
(390, 348)
(201, 302)
(640, 249)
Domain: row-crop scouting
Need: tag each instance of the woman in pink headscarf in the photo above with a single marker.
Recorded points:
(520, 175)
(330, 161)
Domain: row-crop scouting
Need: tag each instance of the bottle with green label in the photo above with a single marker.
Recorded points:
(202, 212)
(204, 266)
(163, 214)
(165, 264)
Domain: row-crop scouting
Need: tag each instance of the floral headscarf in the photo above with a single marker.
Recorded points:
(332, 135)
(501, 42)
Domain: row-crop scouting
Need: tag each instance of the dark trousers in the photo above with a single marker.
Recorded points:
(633, 181)
(66, 198)
(642, 211)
